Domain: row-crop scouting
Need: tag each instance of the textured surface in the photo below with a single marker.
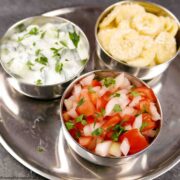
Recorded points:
(14, 10)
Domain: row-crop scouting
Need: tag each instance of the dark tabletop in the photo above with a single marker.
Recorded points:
(14, 10)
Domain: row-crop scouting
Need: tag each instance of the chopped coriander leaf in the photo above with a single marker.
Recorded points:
(81, 101)
(79, 118)
(56, 52)
(97, 132)
(29, 65)
(64, 43)
(135, 93)
(144, 124)
(34, 31)
(117, 108)
(58, 31)
(83, 122)
(20, 39)
(83, 61)
(78, 134)
(43, 34)
(21, 27)
(118, 127)
(34, 43)
(94, 123)
(109, 81)
(115, 136)
(38, 82)
(58, 67)
(41, 69)
(116, 95)
(10, 62)
(144, 109)
(37, 52)
(90, 90)
(69, 125)
(118, 130)
(101, 114)
(42, 60)
(40, 149)
(74, 38)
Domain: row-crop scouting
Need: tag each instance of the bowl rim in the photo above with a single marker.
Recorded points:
(51, 18)
(71, 85)
(109, 8)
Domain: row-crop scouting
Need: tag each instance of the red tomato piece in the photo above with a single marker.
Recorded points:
(96, 83)
(85, 141)
(146, 92)
(66, 116)
(90, 119)
(73, 133)
(108, 135)
(93, 97)
(127, 120)
(148, 122)
(136, 140)
(79, 125)
(111, 121)
(87, 108)
(144, 106)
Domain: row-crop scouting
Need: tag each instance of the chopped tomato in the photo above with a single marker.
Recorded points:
(90, 119)
(108, 135)
(79, 126)
(92, 143)
(87, 108)
(146, 92)
(136, 140)
(127, 120)
(111, 121)
(96, 83)
(66, 116)
(148, 123)
(93, 97)
(73, 132)
(144, 106)
(85, 140)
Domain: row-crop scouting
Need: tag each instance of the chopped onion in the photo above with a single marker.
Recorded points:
(149, 133)
(155, 115)
(135, 101)
(102, 149)
(127, 111)
(137, 122)
(115, 149)
(72, 112)
(87, 80)
(125, 146)
(110, 105)
(96, 89)
(119, 80)
(88, 129)
(68, 104)
(77, 91)
(123, 100)
(103, 90)
(128, 127)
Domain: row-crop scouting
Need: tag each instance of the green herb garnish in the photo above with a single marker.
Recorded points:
(74, 38)
(29, 65)
(64, 43)
(90, 90)
(43, 34)
(56, 52)
(10, 62)
(81, 120)
(78, 134)
(116, 95)
(117, 108)
(109, 81)
(101, 114)
(83, 61)
(69, 125)
(118, 130)
(58, 67)
(115, 136)
(37, 52)
(42, 60)
(97, 132)
(40, 149)
(34, 43)
(135, 93)
(144, 124)
(38, 82)
(34, 31)
(80, 102)
(21, 27)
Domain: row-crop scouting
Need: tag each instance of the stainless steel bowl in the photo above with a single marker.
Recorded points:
(144, 73)
(44, 91)
(105, 161)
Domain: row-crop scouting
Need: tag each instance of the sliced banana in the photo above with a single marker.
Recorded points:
(166, 47)
(104, 37)
(148, 42)
(147, 24)
(169, 25)
(110, 17)
(124, 24)
(128, 11)
(145, 59)
(125, 45)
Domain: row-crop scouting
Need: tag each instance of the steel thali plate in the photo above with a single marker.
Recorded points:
(31, 131)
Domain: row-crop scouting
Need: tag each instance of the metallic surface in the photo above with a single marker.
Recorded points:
(144, 73)
(31, 130)
(31, 90)
(105, 161)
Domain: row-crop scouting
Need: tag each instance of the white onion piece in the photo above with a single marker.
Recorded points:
(102, 149)
(155, 115)
(125, 146)
(135, 101)
(68, 104)
(123, 91)
(137, 122)
(96, 89)
(87, 80)
(149, 133)
(127, 111)
(110, 105)
(123, 100)
(72, 112)
(115, 149)
(103, 90)
(77, 91)
(128, 127)
(119, 80)
(88, 129)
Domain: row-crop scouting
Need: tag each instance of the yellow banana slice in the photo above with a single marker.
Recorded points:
(147, 24)
(145, 59)
(169, 25)
(124, 24)
(128, 11)
(166, 47)
(110, 17)
(104, 37)
(125, 45)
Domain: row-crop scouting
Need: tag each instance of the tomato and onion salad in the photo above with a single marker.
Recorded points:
(111, 117)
